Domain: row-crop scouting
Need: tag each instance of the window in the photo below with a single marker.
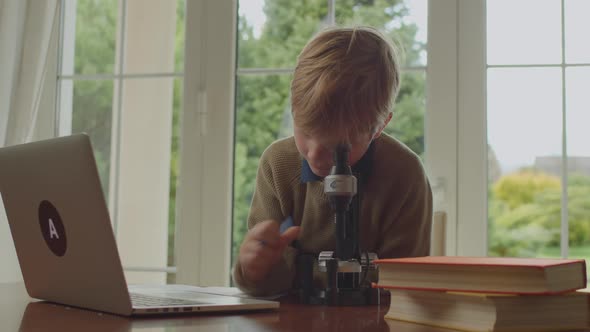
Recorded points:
(539, 159)
(504, 107)
(270, 36)
(120, 81)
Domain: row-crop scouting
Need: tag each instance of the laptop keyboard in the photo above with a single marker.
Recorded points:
(141, 300)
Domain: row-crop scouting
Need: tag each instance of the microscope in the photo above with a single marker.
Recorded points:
(347, 270)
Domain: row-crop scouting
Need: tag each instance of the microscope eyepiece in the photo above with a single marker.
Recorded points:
(340, 158)
(341, 154)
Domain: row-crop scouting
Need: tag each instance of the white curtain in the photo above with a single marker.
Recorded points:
(28, 62)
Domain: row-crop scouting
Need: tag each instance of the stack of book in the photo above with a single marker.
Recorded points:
(487, 293)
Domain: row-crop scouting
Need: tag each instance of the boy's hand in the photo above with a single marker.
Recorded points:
(263, 247)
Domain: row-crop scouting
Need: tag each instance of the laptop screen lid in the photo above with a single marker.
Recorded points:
(60, 225)
(65, 243)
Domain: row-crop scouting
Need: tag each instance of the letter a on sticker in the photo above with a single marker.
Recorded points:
(52, 230)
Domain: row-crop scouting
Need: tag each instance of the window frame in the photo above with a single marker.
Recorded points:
(455, 139)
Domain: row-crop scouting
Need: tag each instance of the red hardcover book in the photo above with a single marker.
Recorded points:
(502, 275)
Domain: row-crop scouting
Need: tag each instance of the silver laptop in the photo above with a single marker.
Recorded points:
(64, 241)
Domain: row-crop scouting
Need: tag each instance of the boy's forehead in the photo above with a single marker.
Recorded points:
(335, 138)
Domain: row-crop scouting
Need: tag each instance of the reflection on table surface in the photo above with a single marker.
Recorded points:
(19, 312)
(45, 316)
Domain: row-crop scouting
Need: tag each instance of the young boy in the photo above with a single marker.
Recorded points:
(342, 91)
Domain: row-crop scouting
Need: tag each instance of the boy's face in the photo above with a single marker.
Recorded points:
(318, 151)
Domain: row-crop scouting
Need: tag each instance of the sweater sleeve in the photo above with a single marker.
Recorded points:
(267, 204)
(408, 234)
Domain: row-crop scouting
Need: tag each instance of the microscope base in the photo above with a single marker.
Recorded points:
(342, 297)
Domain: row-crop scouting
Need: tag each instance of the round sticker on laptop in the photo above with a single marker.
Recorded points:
(52, 228)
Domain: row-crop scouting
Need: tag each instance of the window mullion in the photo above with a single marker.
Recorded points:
(472, 147)
(116, 119)
(440, 132)
(203, 231)
(564, 242)
(97, 77)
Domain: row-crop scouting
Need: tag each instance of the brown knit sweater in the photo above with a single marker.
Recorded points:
(395, 217)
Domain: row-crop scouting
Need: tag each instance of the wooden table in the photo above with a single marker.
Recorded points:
(20, 313)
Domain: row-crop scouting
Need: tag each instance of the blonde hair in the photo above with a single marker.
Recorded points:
(345, 82)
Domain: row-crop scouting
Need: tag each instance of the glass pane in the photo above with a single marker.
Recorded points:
(407, 123)
(523, 32)
(180, 39)
(174, 163)
(92, 113)
(404, 21)
(272, 33)
(524, 138)
(578, 149)
(261, 105)
(96, 31)
(577, 26)
(150, 43)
